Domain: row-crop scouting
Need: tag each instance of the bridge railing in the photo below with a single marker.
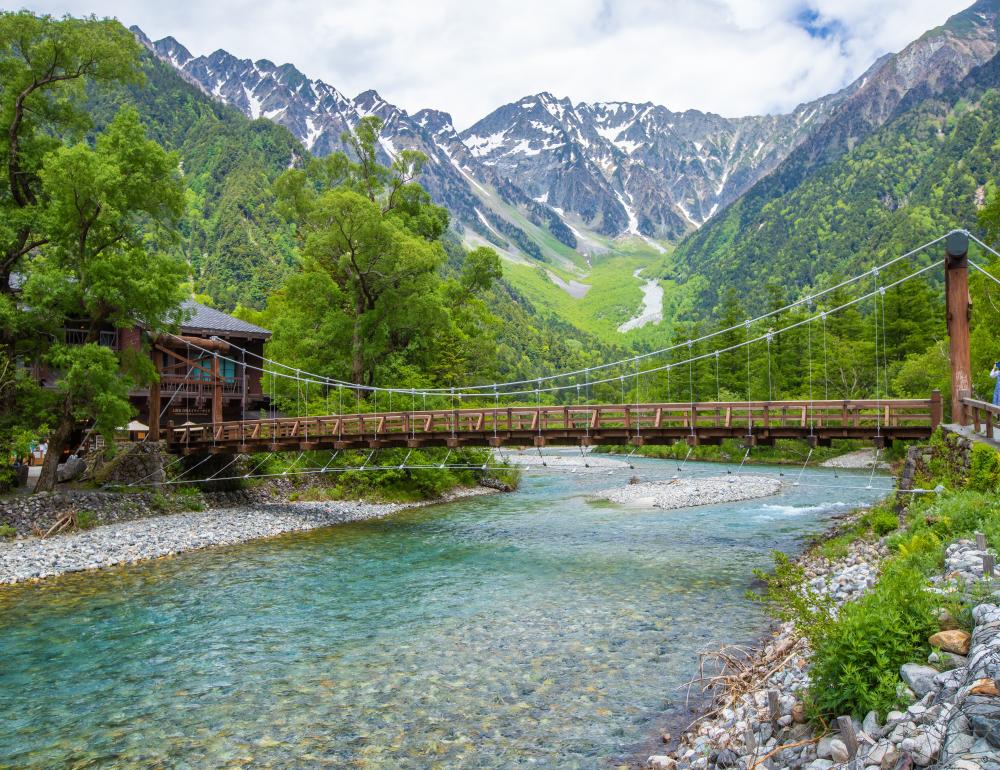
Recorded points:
(734, 417)
(984, 415)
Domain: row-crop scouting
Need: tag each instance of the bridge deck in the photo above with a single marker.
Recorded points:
(759, 422)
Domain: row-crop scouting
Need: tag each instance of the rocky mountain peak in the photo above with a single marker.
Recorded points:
(607, 168)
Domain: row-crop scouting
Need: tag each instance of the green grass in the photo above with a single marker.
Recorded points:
(615, 296)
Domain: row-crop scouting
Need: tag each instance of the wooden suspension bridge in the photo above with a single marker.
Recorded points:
(819, 422)
(754, 423)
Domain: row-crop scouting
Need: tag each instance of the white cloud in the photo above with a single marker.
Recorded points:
(467, 57)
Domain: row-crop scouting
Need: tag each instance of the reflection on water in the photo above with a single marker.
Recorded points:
(536, 628)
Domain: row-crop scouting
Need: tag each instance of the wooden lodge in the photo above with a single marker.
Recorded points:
(204, 376)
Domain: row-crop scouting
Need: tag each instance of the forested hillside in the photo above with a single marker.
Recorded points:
(239, 249)
(925, 172)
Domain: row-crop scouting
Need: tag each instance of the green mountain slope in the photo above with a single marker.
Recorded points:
(238, 248)
(844, 198)
(924, 172)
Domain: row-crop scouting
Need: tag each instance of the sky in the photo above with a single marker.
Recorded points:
(468, 57)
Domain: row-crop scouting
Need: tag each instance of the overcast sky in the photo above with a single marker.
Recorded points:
(467, 57)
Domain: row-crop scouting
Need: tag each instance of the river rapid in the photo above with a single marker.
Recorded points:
(539, 629)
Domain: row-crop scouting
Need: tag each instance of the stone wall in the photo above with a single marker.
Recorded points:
(956, 453)
(35, 514)
(134, 463)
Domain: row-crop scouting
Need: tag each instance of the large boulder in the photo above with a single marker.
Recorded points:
(953, 641)
(73, 468)
(918, 678)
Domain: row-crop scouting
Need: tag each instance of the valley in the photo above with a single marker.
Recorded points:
(338, 434)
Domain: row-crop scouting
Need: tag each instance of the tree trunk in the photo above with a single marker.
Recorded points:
(357, 353)
(57, 443)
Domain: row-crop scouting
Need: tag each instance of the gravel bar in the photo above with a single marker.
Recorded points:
(134, 541)
(685, 493)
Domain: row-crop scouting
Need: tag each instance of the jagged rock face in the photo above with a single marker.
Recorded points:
(615, 168)
(318, 114)
(636, 168)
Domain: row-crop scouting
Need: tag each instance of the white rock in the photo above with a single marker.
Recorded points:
(838, 751)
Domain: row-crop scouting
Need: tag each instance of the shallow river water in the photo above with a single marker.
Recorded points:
(536, 629)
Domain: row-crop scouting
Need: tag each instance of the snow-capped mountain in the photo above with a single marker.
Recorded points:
(543, 167)
(636, 168)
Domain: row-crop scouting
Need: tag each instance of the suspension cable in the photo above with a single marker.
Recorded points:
(638, 357)
(559, 388)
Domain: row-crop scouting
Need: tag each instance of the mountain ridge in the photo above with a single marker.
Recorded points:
(583, 200)
(546, 180)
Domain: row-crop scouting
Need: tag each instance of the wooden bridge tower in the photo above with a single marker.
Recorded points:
(959, 313)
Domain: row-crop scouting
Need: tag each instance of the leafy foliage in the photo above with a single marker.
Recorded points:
(856, 660)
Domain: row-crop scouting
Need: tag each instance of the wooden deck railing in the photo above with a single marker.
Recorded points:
(584, 424)
(984, 415)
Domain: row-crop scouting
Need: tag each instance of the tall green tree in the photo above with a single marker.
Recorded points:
(45, 64)
(375, 237)
(109, 207)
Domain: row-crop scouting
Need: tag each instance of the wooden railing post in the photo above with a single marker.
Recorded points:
(959, 311)
(216, 390)
(937, 409)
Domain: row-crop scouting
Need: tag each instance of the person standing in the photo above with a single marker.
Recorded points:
(995, 374)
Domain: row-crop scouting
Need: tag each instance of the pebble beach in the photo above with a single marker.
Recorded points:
(684, 493)
(128, 542)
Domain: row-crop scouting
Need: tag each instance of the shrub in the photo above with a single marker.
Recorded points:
(7, 531)
(189, 498)
(8, 478)
(882, 521)
(984, 469)
(792, 599)
(86, 519)
(856, 659)
(158, 502)
(857, 651)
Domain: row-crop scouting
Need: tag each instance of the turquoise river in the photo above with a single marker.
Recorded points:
(536, 629)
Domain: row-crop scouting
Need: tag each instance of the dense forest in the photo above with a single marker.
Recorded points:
(359, 276)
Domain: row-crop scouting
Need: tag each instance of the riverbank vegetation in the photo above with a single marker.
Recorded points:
(395, 476)
(857, 652)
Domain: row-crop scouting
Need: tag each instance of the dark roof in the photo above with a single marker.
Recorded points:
(203, 318)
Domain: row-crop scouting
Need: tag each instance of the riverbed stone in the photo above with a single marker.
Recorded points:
(823, 748)
(986, 727)
(920, 679)
(661, 762)
(955, 641)
(838, 751)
